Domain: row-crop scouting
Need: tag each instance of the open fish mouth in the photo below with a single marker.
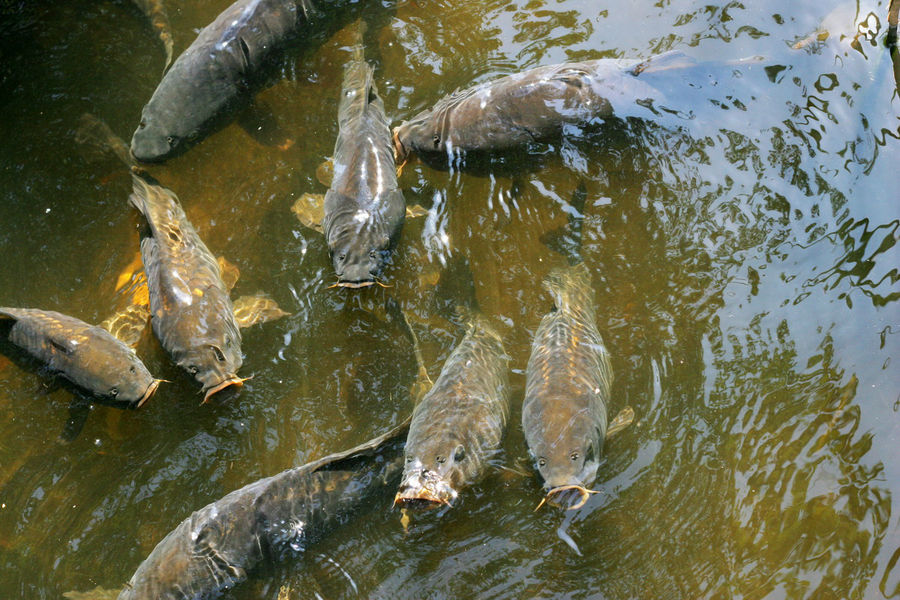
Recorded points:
(354, 285)
(151, 389)
(231, 381)
(421, 498)
(400, 153)
(561, 496)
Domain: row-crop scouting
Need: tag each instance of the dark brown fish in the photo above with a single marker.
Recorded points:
(269, 520)
(191, 311)
(460, 423)
(567, 389)
(85, 354)
(364, 207)
(543, 103)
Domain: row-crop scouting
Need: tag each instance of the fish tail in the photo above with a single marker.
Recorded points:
(358, 43)
(571, 288)
(140, 192)
(454, 295)
(566, 240)
(93, 132)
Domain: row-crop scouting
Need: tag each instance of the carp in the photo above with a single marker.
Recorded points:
(190, 308)
(364, 207)
(460, 422)
(543, 103)
(218, 75)
(87, 355)
(567, 389)
(270, 520)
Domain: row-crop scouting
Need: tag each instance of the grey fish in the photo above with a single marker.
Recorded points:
(217, 75)
(159, 18)
(85, 354)
(460, 423)
(191, 311)
(269, 520)
(364, 207)
(567, 389)
(540, 104)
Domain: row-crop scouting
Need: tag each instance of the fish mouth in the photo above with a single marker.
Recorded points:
(355, 285)
(234, 380)
(151, 389)
(561, 496)
(423, 490)
(400, 152)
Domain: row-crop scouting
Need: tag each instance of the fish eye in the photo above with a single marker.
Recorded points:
(170, 140)
(574, 455)
(142, 124)
(409, 459)
(542, 462)
(342, 257)
(132, 369)
(460, 453)
(440, 459)
(114, 392)
(437, 141)
(193, 369)
(373, 254)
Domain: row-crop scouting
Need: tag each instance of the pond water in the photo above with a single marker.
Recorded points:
(746, 276)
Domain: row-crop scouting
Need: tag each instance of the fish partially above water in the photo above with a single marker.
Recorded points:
(85, 354)
(460, 423)
(543, 103)
(567, 390)
(364, 207)
(191, 311)
(269, 520)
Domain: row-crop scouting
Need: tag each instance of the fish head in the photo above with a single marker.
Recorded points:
(129, 383)
(419, 134)
(215, 364)
(434, 472)
(359, 249)
(572, 461)
(163, 132)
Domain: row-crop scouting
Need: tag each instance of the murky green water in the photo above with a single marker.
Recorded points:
(746, 278)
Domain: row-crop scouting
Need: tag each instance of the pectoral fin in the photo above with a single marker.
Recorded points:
(230, 273)
(415, 211)
(129, 321)
(251, 310)
(310, 210)
(325, 172)
(622, 420)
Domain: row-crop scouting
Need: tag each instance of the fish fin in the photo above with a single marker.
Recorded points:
(674, 59)
(622, 420)
(415, 211)
(129, 324)
(310, 210)
(325, 172)
(229, 271)
(98, 593)
(566, 240)
(423, 382)
(253, 310)
(96, 134)
(338, 461)
(258, 120)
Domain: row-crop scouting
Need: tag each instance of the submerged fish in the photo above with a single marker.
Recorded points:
(460, 423)
(364, 207)
(85, 354)
(567, 388)
(191, 311)
(159, 18)
(540, 104)
(217, 75)
(269, 520)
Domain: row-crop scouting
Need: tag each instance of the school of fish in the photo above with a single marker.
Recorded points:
(183, 290)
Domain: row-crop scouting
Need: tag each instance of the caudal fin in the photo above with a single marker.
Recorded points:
(566, 240)
(97, 135)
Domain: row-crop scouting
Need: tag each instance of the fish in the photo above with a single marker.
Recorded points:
(190, 309)
(270, 520)
(568, 383)
(87, 355)
(459, 424)
(217, 76)
(364, 208)
(155, 11)
(544, 103)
